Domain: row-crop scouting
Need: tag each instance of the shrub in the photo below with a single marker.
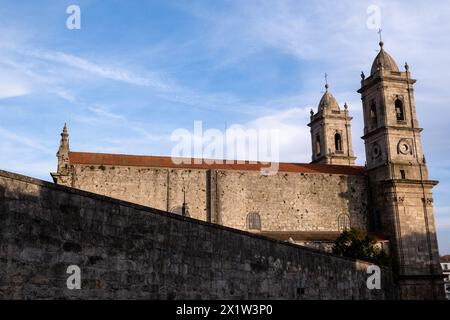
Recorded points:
(355, 243)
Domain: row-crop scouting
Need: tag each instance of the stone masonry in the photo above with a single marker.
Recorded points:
(128, 251)
(287, 201)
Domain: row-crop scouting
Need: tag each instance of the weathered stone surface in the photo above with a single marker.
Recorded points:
(331, 137)
(284, 201)
(399, 183)
(127, 251)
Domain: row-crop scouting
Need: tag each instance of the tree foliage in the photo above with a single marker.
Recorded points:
(355, 243)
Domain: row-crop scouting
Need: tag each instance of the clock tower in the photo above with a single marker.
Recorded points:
(402, 201)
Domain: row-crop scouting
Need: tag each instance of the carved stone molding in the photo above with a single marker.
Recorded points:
(428, 201)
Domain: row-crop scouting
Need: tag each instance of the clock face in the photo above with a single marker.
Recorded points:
(376, 150)
(404, 147)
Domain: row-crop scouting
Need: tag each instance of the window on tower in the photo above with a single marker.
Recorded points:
(399, 110)
(403, 174)
(318, 145)
(373, 115)
(338, 142)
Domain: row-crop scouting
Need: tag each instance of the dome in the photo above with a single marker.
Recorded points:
(384, 60)
(328, 101)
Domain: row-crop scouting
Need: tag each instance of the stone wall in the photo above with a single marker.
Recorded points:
(285, 201)
(134, 252)
(158, 188)
(292, 201)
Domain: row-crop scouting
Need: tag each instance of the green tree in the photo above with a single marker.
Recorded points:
(355, 243)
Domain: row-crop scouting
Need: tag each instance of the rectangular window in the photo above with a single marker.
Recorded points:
(403, 174)
(399, 110)
(373, 114)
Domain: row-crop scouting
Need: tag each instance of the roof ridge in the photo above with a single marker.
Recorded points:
(90, 158)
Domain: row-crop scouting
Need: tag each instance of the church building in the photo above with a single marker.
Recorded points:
(308, 204)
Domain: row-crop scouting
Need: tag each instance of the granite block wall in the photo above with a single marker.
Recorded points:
(285, 201)
(127, 251)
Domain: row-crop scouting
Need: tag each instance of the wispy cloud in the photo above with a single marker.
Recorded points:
(104, 113)
(100, 70)
(10, 88)
(33, 144)
(54, 72)
(21, 153)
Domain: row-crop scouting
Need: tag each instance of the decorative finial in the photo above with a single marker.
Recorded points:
(381, 39)
(311, 112)
(363, 76)
(406, 66)
(326, 81)
(345, 106)
(65, 131)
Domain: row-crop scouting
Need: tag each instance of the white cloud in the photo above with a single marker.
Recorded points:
(13, 84)
(294, 136)
(10, 89)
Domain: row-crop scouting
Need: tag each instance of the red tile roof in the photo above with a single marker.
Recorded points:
(86, 158)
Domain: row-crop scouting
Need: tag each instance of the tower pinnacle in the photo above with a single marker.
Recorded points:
(63, 157)
(64, 142)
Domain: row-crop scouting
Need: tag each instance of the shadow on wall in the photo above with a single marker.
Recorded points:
(421, 275)
(356, 200)
(127, 251)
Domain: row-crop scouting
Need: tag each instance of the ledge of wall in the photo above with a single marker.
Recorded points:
(128, 251)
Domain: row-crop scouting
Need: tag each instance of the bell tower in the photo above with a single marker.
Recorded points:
(398, 177)
(331, 138)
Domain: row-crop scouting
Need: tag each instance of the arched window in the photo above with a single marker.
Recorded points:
(253, 221)
(179, 211)
(338, 142)
(343, 222)
(318, 145)
(399, 110)
(373, 114)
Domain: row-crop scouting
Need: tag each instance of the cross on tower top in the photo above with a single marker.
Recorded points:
(381, 38)
(326, 81)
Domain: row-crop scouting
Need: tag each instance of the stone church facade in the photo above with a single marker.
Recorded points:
(309, 204)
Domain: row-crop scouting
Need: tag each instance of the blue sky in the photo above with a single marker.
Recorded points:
(138, 70)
